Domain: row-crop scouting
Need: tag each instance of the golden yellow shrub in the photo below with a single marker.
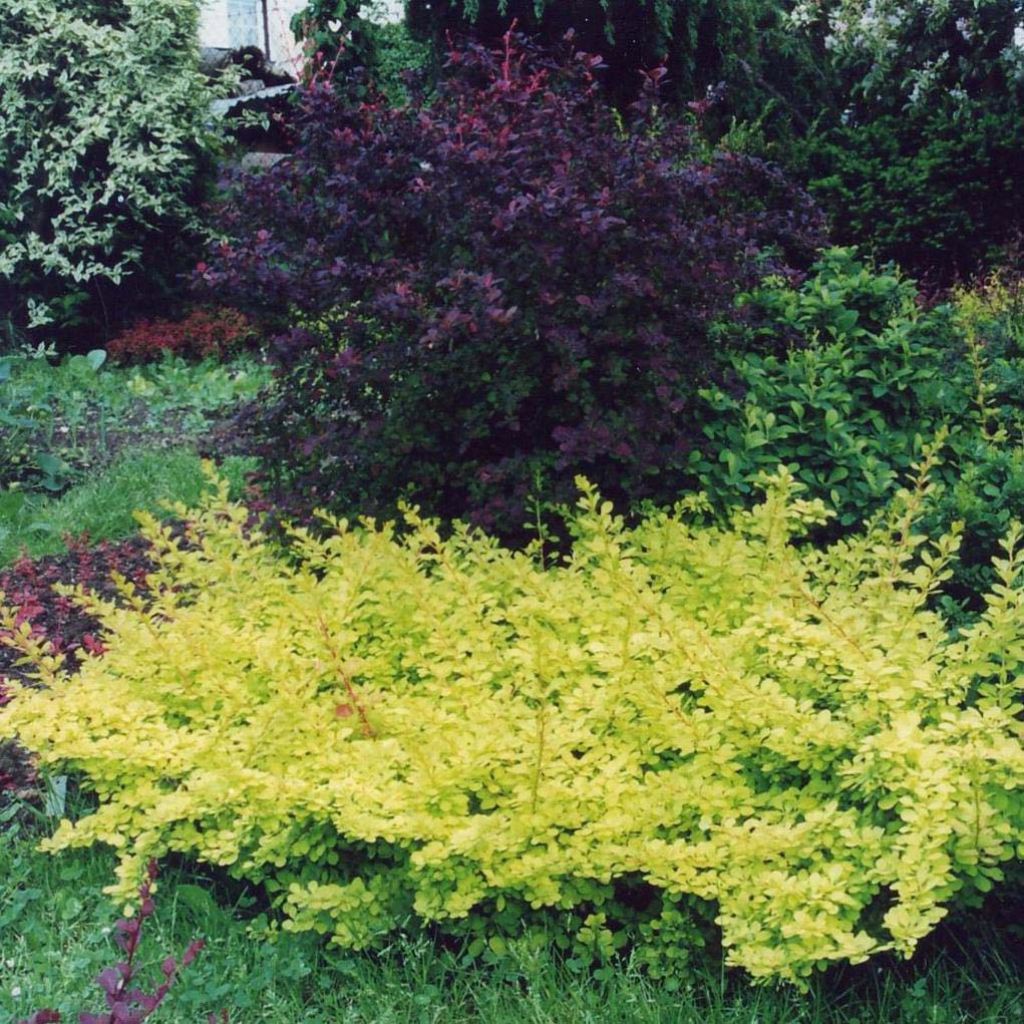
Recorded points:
(674, 717)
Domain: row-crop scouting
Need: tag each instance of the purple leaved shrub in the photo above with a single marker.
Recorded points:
(478, 298)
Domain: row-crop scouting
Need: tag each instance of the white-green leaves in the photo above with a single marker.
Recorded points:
(103, 125)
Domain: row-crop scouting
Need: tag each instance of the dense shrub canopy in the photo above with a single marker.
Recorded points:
(677, 724)
(103, 129)
(937, 189)
(503, 288)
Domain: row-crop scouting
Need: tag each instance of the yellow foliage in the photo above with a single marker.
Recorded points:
(787, 739)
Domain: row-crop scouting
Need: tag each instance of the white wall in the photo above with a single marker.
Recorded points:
(233, 23)
(283, 47)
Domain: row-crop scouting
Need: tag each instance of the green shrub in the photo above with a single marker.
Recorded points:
(104, 132)
(892, 55)
(938, 192)
(675, 724)
(845, 378)
(852, 379)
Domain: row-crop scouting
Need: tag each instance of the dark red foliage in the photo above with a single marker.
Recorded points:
(520, 288)
(205, 331)
(125, 1004)
(28, 589)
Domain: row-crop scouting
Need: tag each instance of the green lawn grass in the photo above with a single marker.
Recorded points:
(103, 505)
(55, 937)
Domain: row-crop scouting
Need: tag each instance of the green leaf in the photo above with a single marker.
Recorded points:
(55, 796)
(196, 898)
(52, 465)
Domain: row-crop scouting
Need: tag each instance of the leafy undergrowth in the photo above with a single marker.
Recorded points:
(103, 507)
(61, 423)
(128, 1000)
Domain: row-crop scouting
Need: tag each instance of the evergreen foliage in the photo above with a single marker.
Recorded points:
(743, 51)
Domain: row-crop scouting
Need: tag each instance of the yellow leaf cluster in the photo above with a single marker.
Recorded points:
(674, 718)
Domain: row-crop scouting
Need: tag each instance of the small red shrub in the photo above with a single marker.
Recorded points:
(205, 331)
(27, 587)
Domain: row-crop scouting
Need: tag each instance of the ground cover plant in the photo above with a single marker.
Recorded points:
(68, 418)
(56, 938)
(127, 1001)
(677, 733)
(28, 587)
(103, 508)
(520, 286)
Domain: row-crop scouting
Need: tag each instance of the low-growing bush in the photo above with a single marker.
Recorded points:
(528, 284)
(28, 588)
(672, 726)
(201, 334)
